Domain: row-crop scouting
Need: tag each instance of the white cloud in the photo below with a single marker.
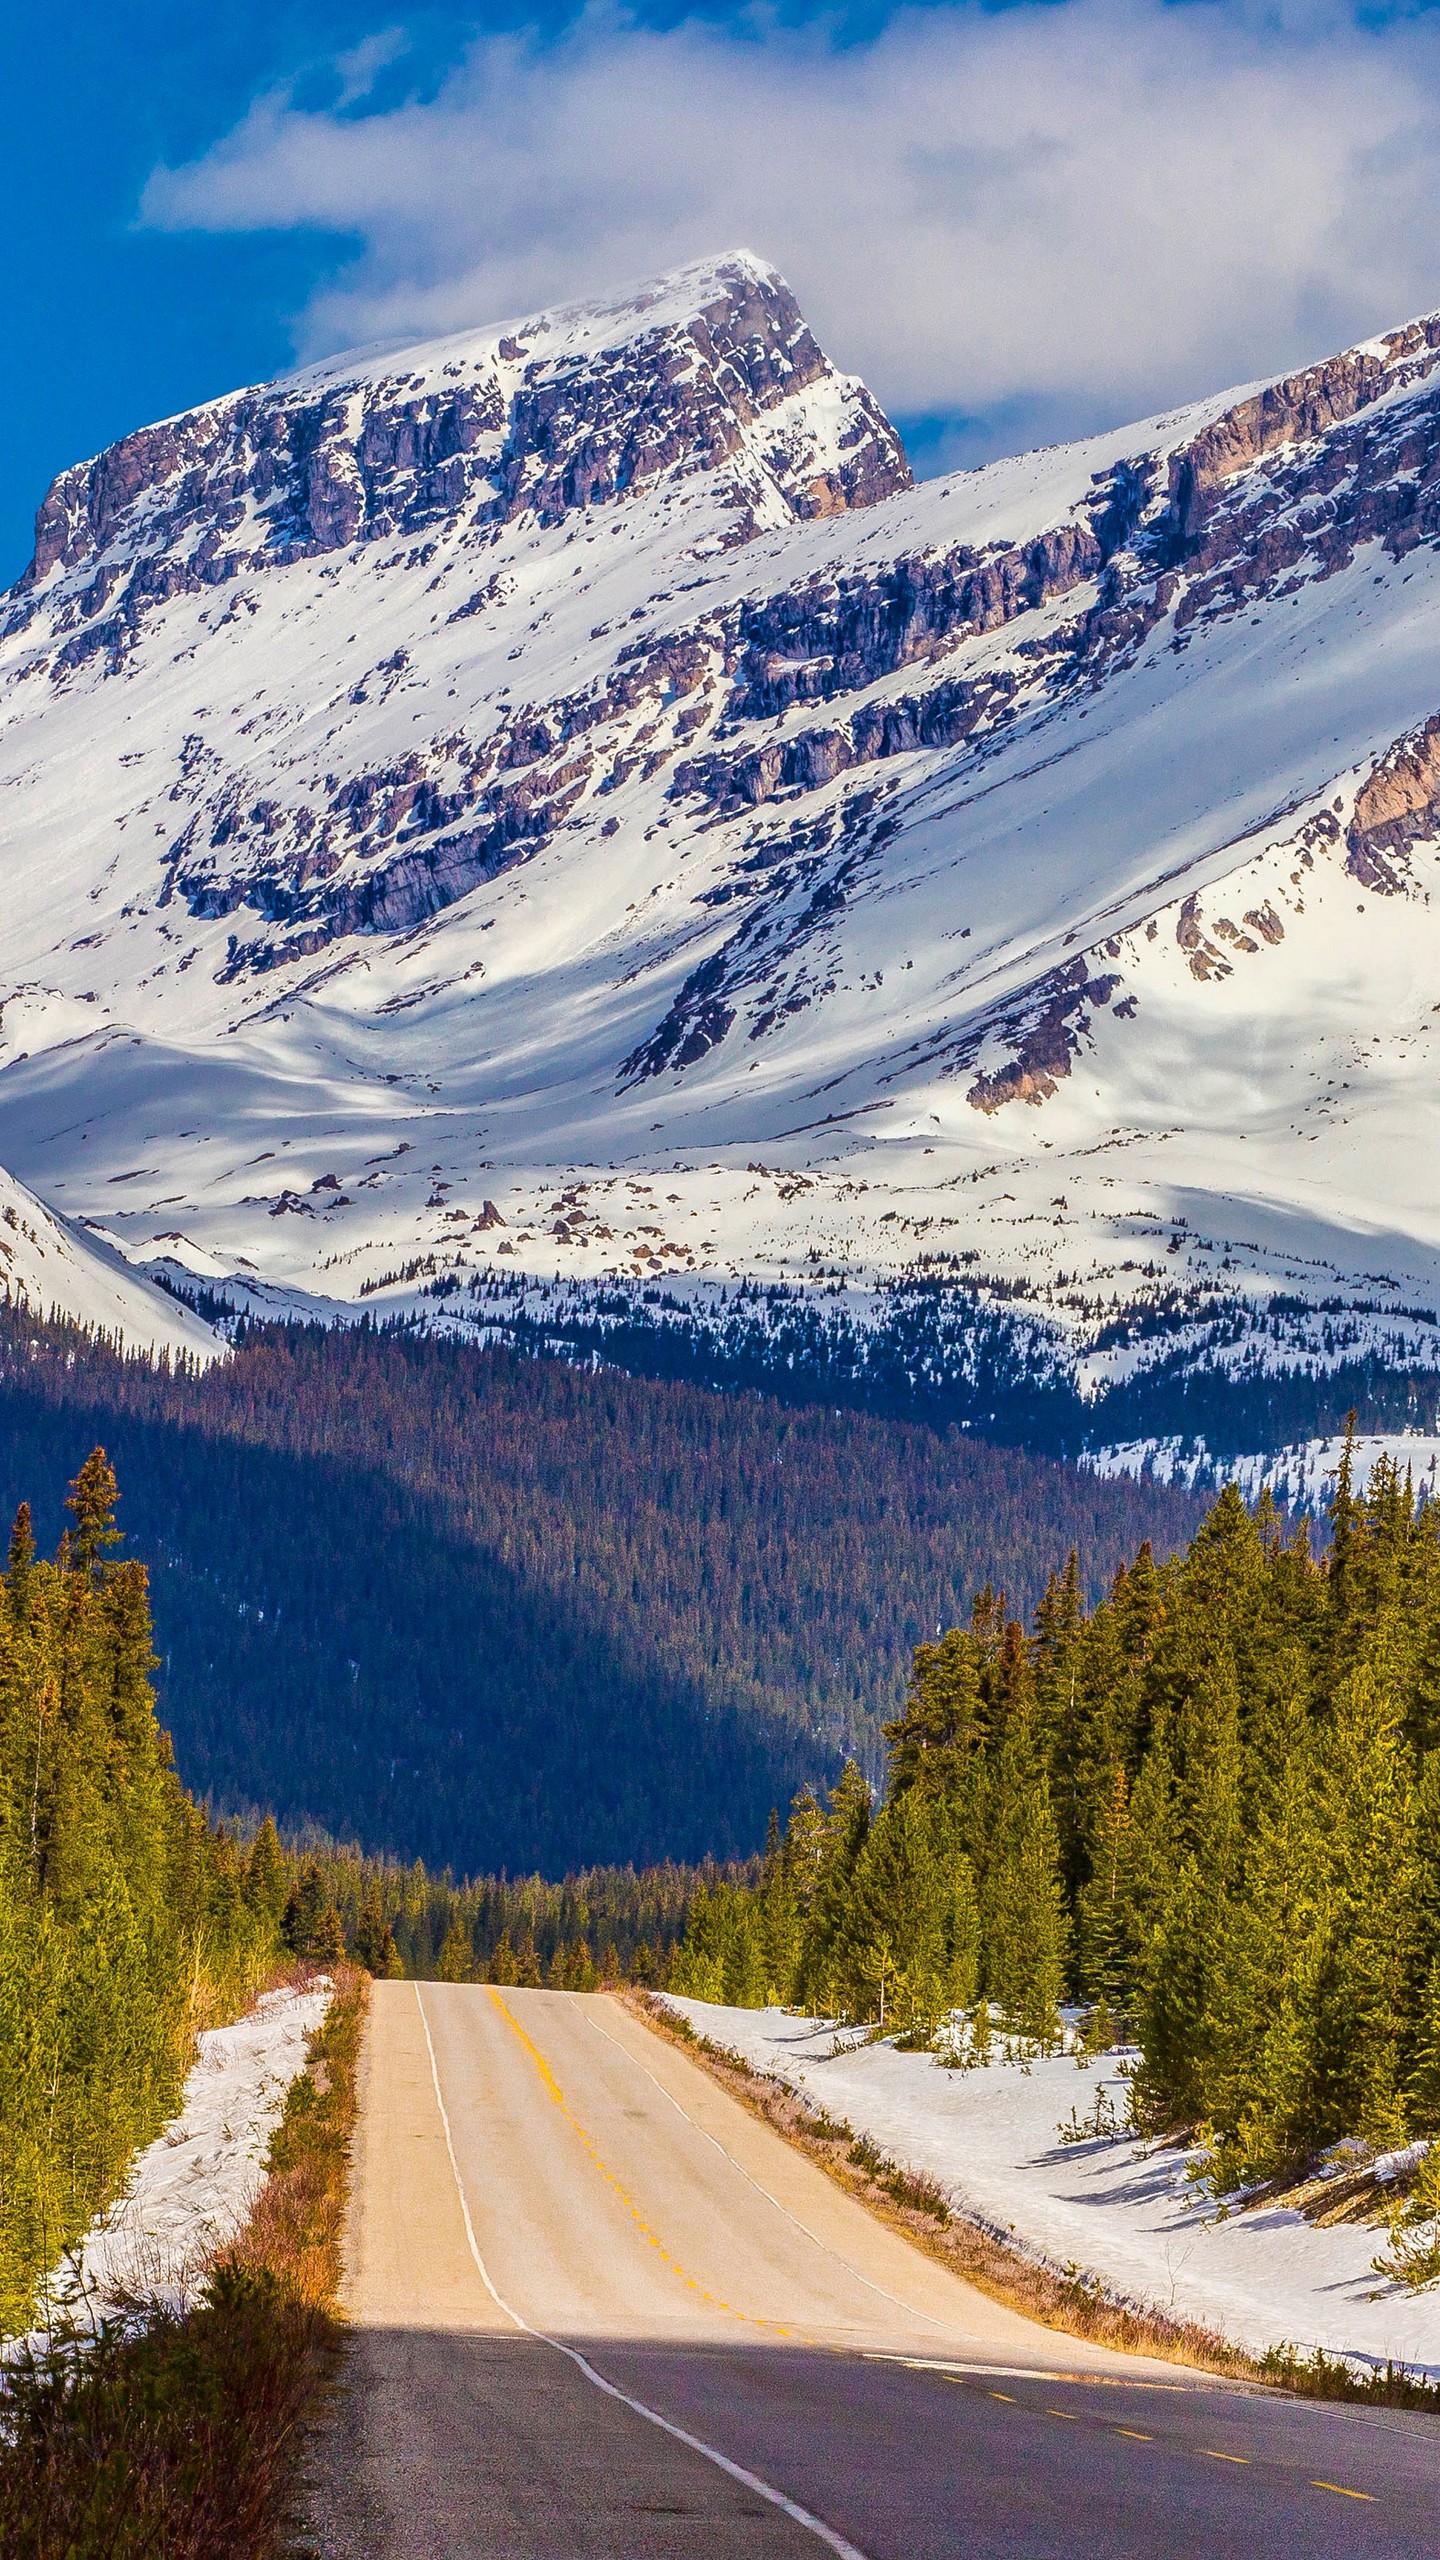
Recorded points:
(359, 69)
(1094, 207)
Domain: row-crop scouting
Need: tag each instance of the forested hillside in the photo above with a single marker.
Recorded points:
(506, 1614)
(1209, 1807)
(604, 1924)
(125, 1921)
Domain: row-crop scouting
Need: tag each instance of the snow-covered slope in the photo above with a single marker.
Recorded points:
(53, 1269)
(560, 802)
(194, 2187)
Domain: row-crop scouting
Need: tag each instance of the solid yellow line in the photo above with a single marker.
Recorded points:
(1336, 2491)
(556, 2094)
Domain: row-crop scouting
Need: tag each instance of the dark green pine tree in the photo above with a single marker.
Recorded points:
(1344, 1575)
(847, 1828)
(1422, 2091)
(375, 1946)
(457, 1956)
(265, 1879)
(1104, 1956)
(1059, 1634)
(92, 1498)
(932, 1743)
(1184, 2023)
(502, 1968)
(21, 1562)
(1025, 1920)
(311, 1925)
(1362, 2020)
(908, 1950)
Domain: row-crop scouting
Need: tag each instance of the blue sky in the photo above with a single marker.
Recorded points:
(1017, 222)
(109, 323)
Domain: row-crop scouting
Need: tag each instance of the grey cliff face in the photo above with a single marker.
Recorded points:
(292, 472)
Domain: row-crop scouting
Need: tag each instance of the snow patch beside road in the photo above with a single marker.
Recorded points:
(1119, 2209)
(195, 2187)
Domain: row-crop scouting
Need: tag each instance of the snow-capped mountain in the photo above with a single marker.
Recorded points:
(559, 804)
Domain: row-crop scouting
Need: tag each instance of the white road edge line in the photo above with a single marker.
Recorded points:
(825, 2533)
(1036, 2373)
(927, 2318)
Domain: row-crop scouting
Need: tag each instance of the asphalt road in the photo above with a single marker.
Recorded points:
(602, 2313)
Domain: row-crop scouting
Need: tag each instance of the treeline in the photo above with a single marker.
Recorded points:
(603, 1925)
(126, 1922)
(940, 1346)
(507, 1614)
(1208, 1809)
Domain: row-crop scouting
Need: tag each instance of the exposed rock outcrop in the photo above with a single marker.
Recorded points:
(1399, 804)
(296, 470)
(1287, 414)
(1047, 1026)
(809, 644)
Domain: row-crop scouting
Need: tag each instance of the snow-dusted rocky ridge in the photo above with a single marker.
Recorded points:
(559, 802)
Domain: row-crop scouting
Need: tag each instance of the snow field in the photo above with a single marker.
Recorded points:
(1303, 1474)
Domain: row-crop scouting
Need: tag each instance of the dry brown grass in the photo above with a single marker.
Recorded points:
(180, 2443)
(1074, 2302)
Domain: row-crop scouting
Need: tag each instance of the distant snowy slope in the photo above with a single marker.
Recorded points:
(46, 1267)
(1304, 1476)
(558, 804)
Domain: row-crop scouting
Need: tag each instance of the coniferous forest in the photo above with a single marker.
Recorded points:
(1208, 1809)
(502, 1613)
(126, 1921)
(1204, 1805)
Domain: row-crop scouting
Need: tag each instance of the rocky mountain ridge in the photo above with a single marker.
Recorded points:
(560, 807)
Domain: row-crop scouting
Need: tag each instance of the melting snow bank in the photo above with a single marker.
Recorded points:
(196, 2185)
(1114, 2207)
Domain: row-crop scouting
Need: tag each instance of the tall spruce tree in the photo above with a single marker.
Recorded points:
(1211, 1803)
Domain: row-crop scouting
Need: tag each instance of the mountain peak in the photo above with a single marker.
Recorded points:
(712, 368)
(448, 784)
(733, 281)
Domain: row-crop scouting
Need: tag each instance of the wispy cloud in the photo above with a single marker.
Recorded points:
(1083, 208)
(360, 68)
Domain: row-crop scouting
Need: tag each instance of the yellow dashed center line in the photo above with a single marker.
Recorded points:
(557, 2096)
(1209, 2451)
